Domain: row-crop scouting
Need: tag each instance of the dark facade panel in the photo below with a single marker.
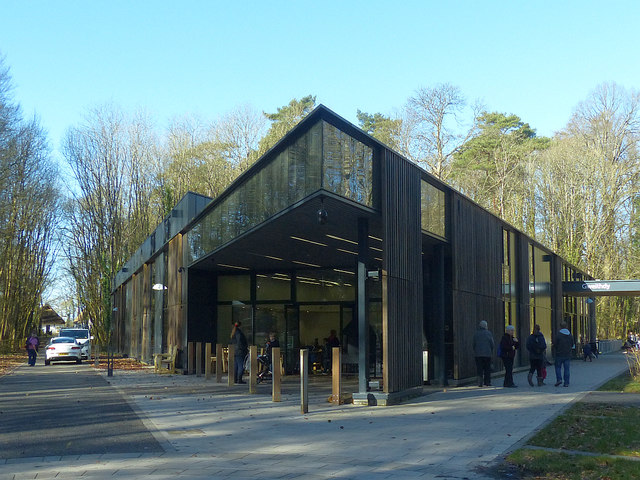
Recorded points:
(402, 263)
(477, 273)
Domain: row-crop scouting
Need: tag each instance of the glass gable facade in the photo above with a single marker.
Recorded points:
(324, 157)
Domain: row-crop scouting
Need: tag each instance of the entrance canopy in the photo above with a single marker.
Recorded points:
(593, 288)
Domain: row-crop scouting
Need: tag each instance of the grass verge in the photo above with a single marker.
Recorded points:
(603, 434)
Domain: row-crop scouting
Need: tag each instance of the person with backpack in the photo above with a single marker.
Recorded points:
(536, 346)
(32, 348)
(507, 352)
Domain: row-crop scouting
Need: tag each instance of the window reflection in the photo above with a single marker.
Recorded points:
(322, 158)
(348, 166)
(433, 209)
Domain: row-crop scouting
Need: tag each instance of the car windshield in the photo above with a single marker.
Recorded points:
(75, 333)
(63, 340)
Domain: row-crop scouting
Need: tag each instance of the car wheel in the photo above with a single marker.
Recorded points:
(47, 362)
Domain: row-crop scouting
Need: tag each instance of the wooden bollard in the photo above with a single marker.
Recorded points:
(232, 366)
(253, 368)
(191, 360)
(207, 360)
(336, 377)
(219, 363)
(275, 374)
(304, 380)
(198, 359)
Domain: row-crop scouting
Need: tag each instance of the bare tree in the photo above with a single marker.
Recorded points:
(108, 216)
(432, 126)
(28, 216)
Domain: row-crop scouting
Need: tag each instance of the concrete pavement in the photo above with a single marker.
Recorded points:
(214, 431)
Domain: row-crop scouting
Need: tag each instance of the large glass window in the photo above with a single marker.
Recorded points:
(292, 175)
(234, 288)
(275, 286)
(348, 166)
(325, 286)
(433, 209)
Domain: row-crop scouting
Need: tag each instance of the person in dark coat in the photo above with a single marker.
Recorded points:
(563, 346)
(508, 346)
(239, 342)
(483, 346)
(536, 346)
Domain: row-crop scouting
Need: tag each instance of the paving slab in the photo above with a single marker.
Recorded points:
(210, 430)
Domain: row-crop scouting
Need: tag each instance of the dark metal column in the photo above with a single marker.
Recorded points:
(439, 358)
(363, 310)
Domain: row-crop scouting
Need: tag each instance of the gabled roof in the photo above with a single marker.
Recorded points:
(48, 316)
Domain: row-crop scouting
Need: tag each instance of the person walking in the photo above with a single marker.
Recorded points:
(508, 346)
(483, 346)
(239, 342)
(536, 345)
(562, 346)
(32, 348)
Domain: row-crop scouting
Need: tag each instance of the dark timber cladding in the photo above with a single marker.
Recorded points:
(477, 287)
(402, 265)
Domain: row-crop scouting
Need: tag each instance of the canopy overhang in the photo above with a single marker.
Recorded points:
(596, 288)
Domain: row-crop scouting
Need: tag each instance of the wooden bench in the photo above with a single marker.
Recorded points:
(168, 359)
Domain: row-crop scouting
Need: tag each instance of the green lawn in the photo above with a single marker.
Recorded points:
(597, 429)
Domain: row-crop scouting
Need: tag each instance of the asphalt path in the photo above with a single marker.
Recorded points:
(66, 409)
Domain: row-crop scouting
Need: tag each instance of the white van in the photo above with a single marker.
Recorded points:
(82, 336)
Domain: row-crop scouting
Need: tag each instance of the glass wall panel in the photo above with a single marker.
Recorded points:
(316, 321)
(234, 288)
(347, 166)
(291, 176)
(270, 318)
(324, 286)
(433, 209)
(273, 287)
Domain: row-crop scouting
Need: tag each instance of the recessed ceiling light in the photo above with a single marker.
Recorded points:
(306, 264)
(233, 266)
(342, 239)
(308, 241)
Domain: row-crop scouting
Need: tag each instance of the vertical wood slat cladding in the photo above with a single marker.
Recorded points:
(402, 265)
(522, 286)
(477, 285)
(175, 302)
(556, 293)
(147, 314)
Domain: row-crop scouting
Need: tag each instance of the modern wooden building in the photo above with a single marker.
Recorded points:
(332, 230)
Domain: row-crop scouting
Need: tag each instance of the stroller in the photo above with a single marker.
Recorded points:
(265, 372)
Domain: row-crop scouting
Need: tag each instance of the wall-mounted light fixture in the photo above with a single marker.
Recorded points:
(323, 216)
(158, 286)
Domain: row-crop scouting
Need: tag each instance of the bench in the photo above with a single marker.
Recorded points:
(168, 359)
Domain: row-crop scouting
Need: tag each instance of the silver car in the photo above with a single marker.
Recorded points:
(63, 349)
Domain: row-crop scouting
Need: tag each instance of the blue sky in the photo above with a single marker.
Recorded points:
(537, 60)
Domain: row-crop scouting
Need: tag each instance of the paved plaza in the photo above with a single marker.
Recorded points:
(213, 431)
